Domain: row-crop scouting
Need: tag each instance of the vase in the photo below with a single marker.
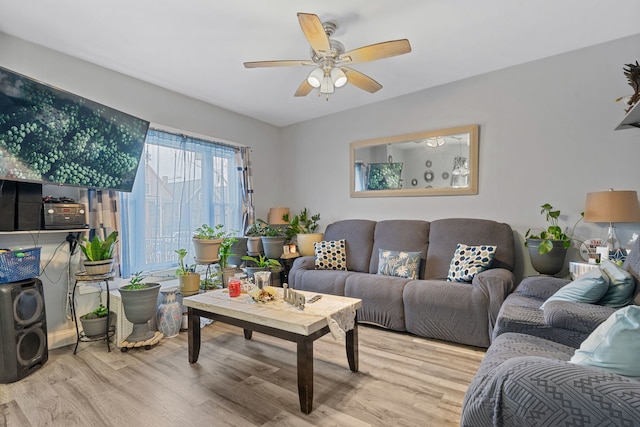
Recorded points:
(169, 315)
(550, 263)
(189, 284)
(206, 250)
(95, 268)
(272, 246)
(306, 241)
(140, 306)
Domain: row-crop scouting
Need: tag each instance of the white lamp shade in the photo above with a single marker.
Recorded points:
(339, 77)
(315, 77)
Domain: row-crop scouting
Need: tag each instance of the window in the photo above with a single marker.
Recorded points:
(182, 183)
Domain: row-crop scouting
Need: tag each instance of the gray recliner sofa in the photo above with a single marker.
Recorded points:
(525, 378)
(429, 306)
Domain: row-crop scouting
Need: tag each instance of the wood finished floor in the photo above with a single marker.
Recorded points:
(403, 381)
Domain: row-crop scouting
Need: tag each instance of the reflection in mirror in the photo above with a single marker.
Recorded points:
(441, 162)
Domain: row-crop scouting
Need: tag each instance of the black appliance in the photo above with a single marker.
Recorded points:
(23, 329)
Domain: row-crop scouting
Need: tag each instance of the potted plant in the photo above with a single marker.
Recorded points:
(273, 238)
(207, 241)
(187, 277)
(95, 323)
(304, 227)
(262, 263)
(548, 248)
(99, 253)
(227, 270)
(140, 302)
(254, 237)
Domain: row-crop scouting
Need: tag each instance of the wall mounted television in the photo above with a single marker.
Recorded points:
(51, 136)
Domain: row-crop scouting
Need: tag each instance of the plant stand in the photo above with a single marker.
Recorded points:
(148, 344)
(98, 278)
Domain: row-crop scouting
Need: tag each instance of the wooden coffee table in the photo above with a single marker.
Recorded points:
(278, 319)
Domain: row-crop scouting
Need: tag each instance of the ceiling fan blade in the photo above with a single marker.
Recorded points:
(314, 32)
(284, 63)
(377, 51)
(303, 89)
(360, 80)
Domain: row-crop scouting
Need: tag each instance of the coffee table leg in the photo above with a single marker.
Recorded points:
(248, 333)
(352, 346)
(305, 374)
(193, 335)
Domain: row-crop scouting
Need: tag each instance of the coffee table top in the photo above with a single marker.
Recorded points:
(277, 313)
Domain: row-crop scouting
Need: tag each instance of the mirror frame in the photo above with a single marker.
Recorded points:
(472, 130)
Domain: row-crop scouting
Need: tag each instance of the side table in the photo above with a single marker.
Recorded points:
(97, 278)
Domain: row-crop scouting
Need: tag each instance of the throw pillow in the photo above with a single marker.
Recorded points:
(621, 285)
(589, 288)
(330, 255)
(470, 260)
(398, 263)
(614, 345)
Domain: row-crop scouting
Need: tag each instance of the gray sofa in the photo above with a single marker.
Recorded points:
(525, 378)
(430, 306)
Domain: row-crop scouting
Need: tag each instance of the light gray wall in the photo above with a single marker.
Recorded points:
(546, 135)
(151, 103)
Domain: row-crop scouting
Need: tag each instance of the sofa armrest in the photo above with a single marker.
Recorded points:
(495, 284)
(556, 392)
(576, 316)
(540, 287)
(300, 265)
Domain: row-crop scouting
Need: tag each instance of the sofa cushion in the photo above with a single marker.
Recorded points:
(589, 288)
(399, 263)
(614, 345)
(330, 255)
(445, 234)
(358, 236)
(621, 285)
(468, 261)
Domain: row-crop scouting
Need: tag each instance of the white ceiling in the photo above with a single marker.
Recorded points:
(197, 47)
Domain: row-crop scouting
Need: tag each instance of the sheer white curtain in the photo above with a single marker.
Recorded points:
(182, 183)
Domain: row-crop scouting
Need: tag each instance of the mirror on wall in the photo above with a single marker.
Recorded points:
(434, 163)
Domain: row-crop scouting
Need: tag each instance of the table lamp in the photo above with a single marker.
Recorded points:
(612, 206)
(276, 214)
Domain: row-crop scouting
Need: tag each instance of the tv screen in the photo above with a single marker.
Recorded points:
(55, 137)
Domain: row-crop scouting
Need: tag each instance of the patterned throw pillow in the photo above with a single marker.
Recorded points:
(330, 255)
(470, 260)
(398, 263)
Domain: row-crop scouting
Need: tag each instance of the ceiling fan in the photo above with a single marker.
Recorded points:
(329, 59)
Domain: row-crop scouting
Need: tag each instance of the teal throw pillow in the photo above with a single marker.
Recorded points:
(470, 260)
(614, 345)
(330, 255)
(398, 263)
(589, 288)
(621, 285)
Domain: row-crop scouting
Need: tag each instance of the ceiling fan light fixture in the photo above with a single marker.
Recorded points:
(327, 85)
(315, 77)
(338, 77)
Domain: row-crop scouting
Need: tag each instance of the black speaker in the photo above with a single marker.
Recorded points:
(7, 205)
(23, 329)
